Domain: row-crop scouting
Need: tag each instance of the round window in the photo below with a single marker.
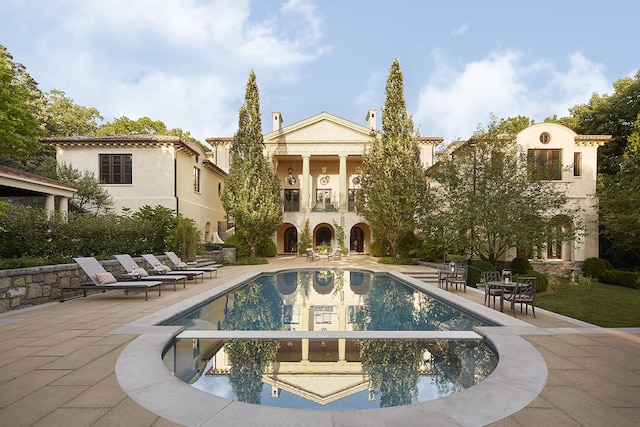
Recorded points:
(545, 137)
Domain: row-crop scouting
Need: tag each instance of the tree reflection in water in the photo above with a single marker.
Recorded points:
(393, 366)
(254, 307)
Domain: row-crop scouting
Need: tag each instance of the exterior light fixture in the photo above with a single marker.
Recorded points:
(291, 179)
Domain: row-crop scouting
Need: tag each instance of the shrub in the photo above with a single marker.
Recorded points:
(241, 245)
(398, 261)
(407, 244)
(595, 267)
(267, 249)
(542, 283)
(475, 271)
(305, 240)
(378, 248)
(520, 265)
(629, 279)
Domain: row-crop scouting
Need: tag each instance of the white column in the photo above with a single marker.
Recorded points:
(305, 192)
(49, 203)
(344, 186)
(63, 204)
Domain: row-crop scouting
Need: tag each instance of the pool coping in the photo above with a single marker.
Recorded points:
(520, 376)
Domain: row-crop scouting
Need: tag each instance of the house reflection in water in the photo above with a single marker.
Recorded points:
(324, 371)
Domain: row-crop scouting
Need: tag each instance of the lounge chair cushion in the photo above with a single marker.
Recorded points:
(105, 278)
(181, 265)
(141, 272)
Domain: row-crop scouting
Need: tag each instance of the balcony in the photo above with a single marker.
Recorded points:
(325, 207)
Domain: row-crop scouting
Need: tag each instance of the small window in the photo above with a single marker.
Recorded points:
(196, 180)
(116, 168)
(545, 137)
(577, 164)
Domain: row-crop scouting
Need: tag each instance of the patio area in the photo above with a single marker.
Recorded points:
(58, 361)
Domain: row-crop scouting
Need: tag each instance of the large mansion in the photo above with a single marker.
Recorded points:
(319, 162)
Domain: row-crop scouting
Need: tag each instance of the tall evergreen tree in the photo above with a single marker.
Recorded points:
(252, 192)
(394, 179)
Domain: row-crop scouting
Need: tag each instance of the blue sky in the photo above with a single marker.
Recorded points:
(187, 62)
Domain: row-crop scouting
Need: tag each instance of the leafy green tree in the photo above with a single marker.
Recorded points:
(490, 203)
(65, 118)
(125, 126)
(161, 220)
(513, 125)
(90, 197)
(184, 238)
(393, 182)
(610, 114)
(19, 127)
(252, 191)
(619, 199)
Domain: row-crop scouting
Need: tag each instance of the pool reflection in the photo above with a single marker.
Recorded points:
(332, 373)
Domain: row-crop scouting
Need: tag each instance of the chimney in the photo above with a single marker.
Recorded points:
(371, 119)
(277, 121)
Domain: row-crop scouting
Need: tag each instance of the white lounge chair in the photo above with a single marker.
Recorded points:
(180, 265)
(160, 268)
(312, 254)
(133, 269)
(103, 280)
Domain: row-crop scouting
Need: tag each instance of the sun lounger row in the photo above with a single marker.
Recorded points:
(137, 278)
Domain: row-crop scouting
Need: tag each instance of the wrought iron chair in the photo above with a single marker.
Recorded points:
(459, 278)
(524, 293)
(491, 291)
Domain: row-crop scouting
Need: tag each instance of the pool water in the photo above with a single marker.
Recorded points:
(331, 300)
(352, 371)
(374, 373)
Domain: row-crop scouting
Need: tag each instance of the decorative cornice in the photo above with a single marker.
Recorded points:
(120, 141)
(591, 140)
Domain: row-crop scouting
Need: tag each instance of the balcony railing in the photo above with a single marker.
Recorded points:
(325, 207)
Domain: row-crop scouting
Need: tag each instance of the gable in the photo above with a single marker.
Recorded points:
(321, 128)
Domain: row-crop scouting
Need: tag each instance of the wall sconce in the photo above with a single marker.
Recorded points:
(291, 179)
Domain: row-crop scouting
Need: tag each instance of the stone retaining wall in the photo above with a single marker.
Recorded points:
(26, 287)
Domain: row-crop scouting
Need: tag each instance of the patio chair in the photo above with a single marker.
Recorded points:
(312, 254)
(180, 265)
(103, 280)
(524, 293)
(160, 268)
(491, 291)
(336, 255)
(459, 277)
(133, 270)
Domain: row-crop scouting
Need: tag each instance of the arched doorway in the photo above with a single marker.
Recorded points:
(324, 235)
(291, 239)
(356, 239)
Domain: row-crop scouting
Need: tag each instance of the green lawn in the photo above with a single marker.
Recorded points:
(603, 305)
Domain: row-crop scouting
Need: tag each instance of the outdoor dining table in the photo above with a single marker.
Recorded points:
(502, 285)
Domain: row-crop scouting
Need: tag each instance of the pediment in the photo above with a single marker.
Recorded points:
(322, 127)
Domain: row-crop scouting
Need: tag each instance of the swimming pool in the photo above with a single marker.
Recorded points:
(516, 381)
(349, 372)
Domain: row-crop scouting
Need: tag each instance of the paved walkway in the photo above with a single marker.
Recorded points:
(57, 362)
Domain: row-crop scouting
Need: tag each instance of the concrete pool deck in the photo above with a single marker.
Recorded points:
(58, 363)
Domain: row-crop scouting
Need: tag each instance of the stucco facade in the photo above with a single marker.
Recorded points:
(319, 161)
(160, 170)
(578, 156)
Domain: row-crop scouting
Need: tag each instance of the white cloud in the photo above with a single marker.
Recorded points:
(185, 63)
(460, 30)
(453, 102)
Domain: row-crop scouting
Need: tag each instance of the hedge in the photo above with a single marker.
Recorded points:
(629, 279)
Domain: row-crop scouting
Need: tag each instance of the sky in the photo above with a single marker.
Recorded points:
(187, 62)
